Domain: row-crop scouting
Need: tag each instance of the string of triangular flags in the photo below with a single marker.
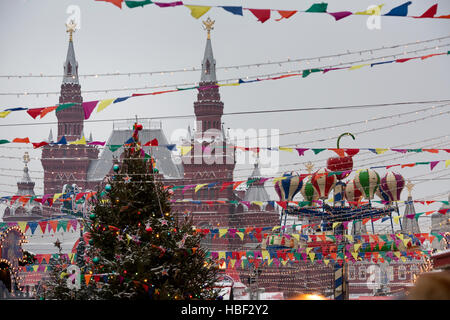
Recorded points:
(45, 226)
(89, 106)
(265, 14)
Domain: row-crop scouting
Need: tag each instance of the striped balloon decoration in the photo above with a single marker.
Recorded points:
(289, 187)
(308, 191)
(323, 183)
(352, 193)
(367, 181)
(392, 184)
(382, 195)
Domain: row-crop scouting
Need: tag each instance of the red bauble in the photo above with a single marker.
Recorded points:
(340, 164)
(149, 229)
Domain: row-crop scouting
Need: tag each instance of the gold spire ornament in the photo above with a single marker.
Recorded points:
(409, 186)
(208, 26)
(26, 158)
(71, 27)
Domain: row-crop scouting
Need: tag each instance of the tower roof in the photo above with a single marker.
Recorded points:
(256, 192)
(410, 224)
(208, 63)
(71, 64)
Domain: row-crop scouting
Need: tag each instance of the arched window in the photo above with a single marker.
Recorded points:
(69, 68)
(401, 273)
(362, 273)
(351, 273)
(208, 66)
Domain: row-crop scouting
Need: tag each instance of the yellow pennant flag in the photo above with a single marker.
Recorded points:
(275, 180)
(197, 11)
(80, 141)
(349, 237)
(373, 11)
(380, 150)
(447, 163)
(35, 268)
(104, 103)
(229, 84)
(56, 196)
(232, 262)
(400, 236)
(185, 150)
(326, 261)
(296, 236)
(241, 235)
(275, 228)
(356, 247)
(308, 250)
(286, 149)
(335, 224)
(358, 66)
(284, 262)
(3, 114)
(403, 258)
(355, 255)
(396, 219)
(258, 203)
(222, 232)
(199, 186)
(128, 238)
(221, 255)
(405, 242)
(22, 225)
(265, 255)
(397, 254)
(312, 255)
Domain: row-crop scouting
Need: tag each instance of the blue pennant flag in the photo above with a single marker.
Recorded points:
(233, 10)
(400, 11)
(62, 140)
(120, 99)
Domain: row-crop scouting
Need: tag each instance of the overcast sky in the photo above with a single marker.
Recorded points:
(34, 40)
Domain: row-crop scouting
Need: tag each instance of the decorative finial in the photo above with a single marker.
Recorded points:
(209, 25)
(26, 158)
(71, 28)
(409, 186)
(309, 167)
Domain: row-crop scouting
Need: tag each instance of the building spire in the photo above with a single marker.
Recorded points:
(208, 63)
(71, 64)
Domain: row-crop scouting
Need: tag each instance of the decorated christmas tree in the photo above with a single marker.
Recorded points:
(137, 248)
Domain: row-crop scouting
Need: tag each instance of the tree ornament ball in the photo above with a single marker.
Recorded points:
(108, 187)
(96, 260)
(91, 241)
(155, 170)
(149, 229)
(92, 216)
(116, 168)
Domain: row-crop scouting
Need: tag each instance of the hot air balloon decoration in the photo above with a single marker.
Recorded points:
(308, 191)
(352, 193)
(392, 185)
(289, 187)
(342, 163)
(323, 182)
(367, 181)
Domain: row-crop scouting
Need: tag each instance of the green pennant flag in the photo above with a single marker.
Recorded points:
(234, 202)
(422, 163)
(64, 106)
(250, 181)
(332, 238)
(62, 224)
(177, 187)
(114, 147)
(437, 235)
(414, 150)
(444, 202)
(334, 173)
(417, 215)
(190, 88)
(317, 151)
(3, 141)
(137, 3)
(318, 7)
(308, 72)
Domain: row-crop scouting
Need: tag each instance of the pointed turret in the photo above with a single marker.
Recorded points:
(50, 136)
(410, 224)
(208, 63)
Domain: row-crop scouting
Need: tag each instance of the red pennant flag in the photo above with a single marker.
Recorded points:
(35, 112)
(152, 143)
(408, 165)
(430, 13)
(117, 3)
(431, 55)
(39, 144)
(21, 140)
(47, 110)
(225, 185)
(351, 152)
(404, 60)
(444, 17)
(262, 14)
(285, 14)
(431, 150)
(53, 224)
(43, 225)
(282, 204)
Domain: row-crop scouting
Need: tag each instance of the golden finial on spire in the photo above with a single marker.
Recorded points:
(409, 186)
(209, 25)
(71, 28)
(26, 158)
